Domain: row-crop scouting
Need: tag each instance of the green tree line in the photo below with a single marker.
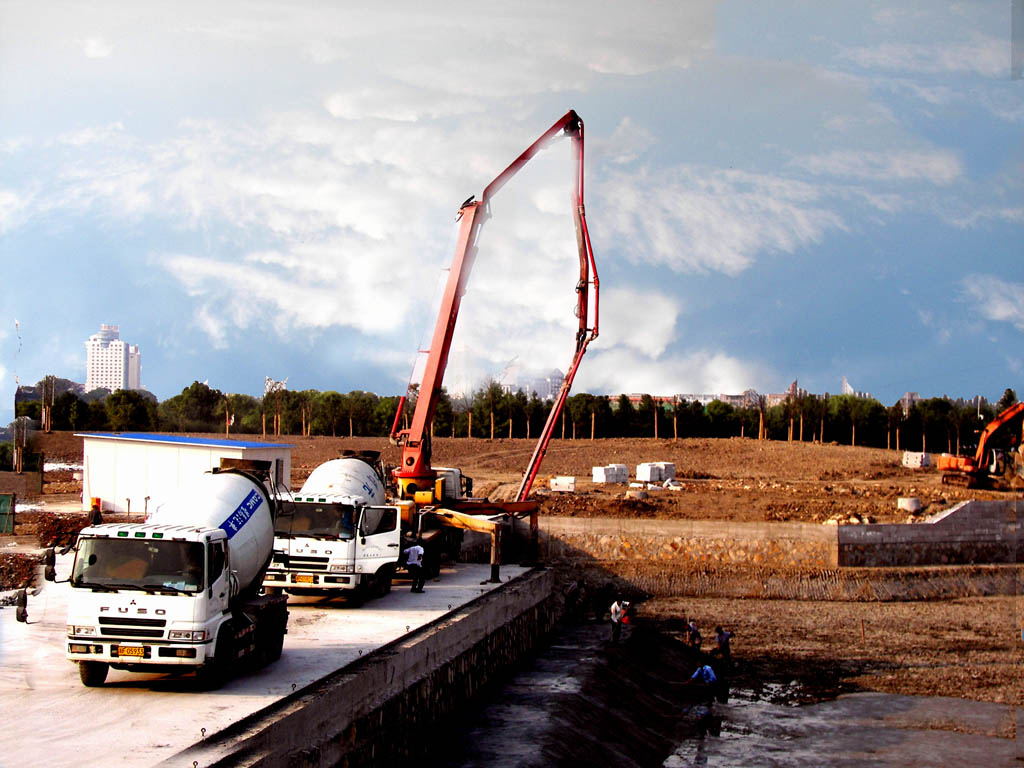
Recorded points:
(934, 425)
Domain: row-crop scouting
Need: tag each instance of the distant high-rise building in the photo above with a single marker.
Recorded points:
(111, 363)
(849, 390)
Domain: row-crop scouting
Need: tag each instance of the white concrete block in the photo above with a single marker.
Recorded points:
(563, 484)
(916, 460)
(649, 472)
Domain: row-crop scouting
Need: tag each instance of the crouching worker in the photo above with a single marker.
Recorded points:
(619, 611)
(705, 677)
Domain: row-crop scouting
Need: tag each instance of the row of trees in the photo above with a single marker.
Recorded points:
(936, 424)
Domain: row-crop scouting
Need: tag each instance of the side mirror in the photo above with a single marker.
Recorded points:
(469, 486)
(21, 611)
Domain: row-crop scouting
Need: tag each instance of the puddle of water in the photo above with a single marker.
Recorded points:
(583, 701)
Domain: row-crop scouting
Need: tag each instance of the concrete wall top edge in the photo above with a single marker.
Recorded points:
(687, 528)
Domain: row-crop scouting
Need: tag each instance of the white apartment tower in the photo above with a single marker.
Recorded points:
(111, 363)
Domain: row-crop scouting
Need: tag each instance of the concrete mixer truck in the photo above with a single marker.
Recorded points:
(336, 535)
(179, 592)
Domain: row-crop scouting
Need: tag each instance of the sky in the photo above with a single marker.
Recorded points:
(774, 191)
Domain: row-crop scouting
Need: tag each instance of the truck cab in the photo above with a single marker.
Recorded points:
(333, 543)
(147, 596)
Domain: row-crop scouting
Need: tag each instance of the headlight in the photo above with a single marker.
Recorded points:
(194, 635)
(339, 568)
(77, 629)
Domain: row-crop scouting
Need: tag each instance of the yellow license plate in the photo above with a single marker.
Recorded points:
(131, 650)
(305, 578)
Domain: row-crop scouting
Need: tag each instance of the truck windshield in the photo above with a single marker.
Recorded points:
(144, 564)
(310, 519)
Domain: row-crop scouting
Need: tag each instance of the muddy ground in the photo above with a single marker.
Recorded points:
(792, 651)
(966, 648)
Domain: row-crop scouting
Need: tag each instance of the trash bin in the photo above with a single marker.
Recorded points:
(6, 514)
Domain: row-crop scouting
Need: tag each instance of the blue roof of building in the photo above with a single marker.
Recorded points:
(209, 442)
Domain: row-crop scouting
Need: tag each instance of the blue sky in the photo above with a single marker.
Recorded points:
(774, 192)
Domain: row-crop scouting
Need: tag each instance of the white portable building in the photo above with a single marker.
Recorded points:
(133, 471)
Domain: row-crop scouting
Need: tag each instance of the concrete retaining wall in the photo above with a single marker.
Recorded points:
(669, 542)
(971, 532)
(374, 712)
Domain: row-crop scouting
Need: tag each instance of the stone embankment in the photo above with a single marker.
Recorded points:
(796, 560)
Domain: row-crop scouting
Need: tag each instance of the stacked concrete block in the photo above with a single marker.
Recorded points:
(648, 472)
(612, 473)
(916, 460)
(655, 471)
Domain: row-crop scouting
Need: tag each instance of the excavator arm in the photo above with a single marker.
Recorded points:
(415, 474)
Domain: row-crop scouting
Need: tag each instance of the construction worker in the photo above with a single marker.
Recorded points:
(414, 565)
(618, 613)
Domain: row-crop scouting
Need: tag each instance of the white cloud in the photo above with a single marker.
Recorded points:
(978, 54)
(12, 204)
(936, 166)
(96, 48)
(688, 219)
(642, 320)
(996, 299)
(111, 134)
(702, 371)
(626, 143)
(13, 144)
(1005, 214)
(941, 331)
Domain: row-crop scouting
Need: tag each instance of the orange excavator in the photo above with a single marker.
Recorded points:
(444, 494)
(987, 462)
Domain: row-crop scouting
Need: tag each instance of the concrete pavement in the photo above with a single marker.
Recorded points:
(142, 719)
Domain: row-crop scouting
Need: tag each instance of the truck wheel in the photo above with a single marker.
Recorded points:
(93, 673)
(273, 644)
(384, 576)
(214, 673)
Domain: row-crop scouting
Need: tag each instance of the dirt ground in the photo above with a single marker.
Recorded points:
(966, 648)
(732, 479)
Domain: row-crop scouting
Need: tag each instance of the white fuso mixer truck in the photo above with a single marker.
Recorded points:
(179, 592)
(337, 534)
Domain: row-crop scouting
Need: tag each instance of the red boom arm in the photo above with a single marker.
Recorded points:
(416, 473)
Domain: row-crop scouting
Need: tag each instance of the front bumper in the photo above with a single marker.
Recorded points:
(135, 652)
(310, 580)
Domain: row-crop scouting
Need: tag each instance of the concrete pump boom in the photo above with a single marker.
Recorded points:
(415, 473)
